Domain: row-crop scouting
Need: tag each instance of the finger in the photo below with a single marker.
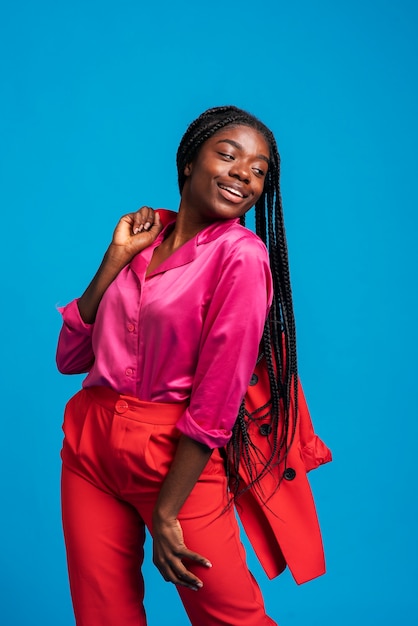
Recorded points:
(149, 217)
(138, 222)
(194, 556)
(185, 576)
(176, 573)
(193, 584)
(157, 225)
(142, 219)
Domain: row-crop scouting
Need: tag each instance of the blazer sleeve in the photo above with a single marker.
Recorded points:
(313, 450)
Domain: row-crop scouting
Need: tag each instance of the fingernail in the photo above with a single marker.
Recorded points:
(147, 225)
(208, 564)
(136, 230)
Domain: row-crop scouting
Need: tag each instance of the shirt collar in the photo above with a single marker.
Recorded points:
(183, 255)
(206, 235)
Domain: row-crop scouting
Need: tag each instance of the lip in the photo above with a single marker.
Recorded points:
(232, 192)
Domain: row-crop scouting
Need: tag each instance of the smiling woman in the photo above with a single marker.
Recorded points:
(181, 311)
(224, 180)
(227, 177)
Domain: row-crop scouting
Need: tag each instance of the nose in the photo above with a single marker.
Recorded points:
(240, 169)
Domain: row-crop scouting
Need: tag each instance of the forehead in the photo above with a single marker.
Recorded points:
(249, 138)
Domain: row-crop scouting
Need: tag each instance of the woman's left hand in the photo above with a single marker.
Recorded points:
(169, 552)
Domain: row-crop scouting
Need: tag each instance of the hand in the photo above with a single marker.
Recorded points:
(169, 550)
(136, 231)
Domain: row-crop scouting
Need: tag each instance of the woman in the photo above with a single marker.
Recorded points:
(169, 332)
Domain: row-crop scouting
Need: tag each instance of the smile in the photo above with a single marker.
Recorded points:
(232, 190)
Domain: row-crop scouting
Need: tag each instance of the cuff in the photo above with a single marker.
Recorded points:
(72, 318)
(315, 453)
(213, 438)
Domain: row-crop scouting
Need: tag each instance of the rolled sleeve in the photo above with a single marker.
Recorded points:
(74, 350)
(229, 346)
(215, 438)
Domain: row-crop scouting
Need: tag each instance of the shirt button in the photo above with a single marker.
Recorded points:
(254, 380)
(129, 371)
(289, 473)
(130, 327)
(265, 429)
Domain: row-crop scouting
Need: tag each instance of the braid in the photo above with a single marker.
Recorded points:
(279, 338)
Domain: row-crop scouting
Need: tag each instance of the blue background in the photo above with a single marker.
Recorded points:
(95, 97)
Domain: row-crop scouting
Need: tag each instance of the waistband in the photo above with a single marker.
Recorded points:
(133, 408)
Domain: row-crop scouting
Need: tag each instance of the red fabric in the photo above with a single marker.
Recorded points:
(285, 531)
(117, 451)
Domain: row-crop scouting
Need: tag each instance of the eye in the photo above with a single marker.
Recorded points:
(227, 156)
(258, 172)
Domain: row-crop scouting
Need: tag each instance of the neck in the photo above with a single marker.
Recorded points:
(186, 227)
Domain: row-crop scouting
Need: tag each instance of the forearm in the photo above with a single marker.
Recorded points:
(169, 547)
(134, 232)
(113, 262)
(189, 462)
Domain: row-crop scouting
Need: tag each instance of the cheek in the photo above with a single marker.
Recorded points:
(259, 191)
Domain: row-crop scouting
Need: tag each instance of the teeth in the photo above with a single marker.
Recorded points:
(234, 191)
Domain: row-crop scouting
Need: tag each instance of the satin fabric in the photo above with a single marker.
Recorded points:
(188, 332)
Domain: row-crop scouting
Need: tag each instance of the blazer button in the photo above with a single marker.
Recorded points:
(265, 429)
(254, 380)
(289, 473)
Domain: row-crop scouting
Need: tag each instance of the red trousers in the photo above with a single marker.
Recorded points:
(116, 452)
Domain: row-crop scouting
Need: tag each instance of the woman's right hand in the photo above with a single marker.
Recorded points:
(136, 231)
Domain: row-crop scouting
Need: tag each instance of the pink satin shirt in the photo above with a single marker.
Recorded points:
(189, 331)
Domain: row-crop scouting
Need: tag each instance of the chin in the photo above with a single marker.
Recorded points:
(228, 213)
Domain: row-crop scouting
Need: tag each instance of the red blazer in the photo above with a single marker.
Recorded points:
(285, 530)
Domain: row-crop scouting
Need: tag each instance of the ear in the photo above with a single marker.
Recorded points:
(188, 169)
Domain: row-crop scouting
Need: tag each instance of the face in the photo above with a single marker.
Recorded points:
(227, 176)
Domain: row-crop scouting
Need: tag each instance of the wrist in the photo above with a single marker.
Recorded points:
(163, 514)
(118, 256)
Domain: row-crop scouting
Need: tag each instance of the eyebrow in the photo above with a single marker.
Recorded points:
(239, 147)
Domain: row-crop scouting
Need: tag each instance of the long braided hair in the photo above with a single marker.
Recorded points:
(278, 346)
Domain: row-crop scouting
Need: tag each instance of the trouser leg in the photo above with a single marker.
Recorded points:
(230, 595)
(104, 540)
(129, 452)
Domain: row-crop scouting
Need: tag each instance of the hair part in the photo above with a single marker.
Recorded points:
(279, 338)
